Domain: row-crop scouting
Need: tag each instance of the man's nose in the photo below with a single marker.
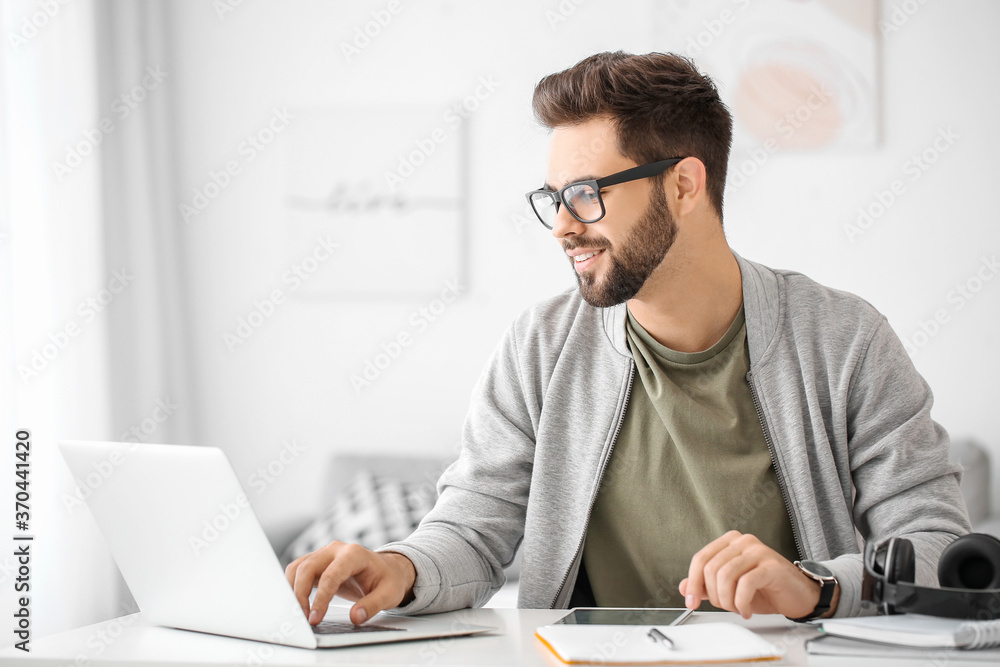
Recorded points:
(566, 225)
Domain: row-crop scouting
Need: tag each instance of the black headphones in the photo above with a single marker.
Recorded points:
(968, 572)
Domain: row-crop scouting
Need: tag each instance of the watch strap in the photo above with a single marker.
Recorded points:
(827, 587)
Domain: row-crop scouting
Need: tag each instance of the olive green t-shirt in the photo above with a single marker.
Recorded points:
(689, 464)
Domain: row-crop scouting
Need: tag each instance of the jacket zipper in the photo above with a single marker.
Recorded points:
(593, 498)
(774, 464)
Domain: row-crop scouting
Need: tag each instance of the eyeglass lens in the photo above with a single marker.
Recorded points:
(581, 198)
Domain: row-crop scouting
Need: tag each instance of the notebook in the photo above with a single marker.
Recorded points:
(631, 644)
(917, 630)
(832, 645)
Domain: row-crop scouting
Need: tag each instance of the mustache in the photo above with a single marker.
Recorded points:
(601, 244)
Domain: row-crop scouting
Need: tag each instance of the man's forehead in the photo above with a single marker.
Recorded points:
(581, 152)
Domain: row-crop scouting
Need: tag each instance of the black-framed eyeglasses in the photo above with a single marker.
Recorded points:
(583, 198)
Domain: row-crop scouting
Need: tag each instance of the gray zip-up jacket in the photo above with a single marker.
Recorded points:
(844, 412)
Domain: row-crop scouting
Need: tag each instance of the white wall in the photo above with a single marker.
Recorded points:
(292, 378)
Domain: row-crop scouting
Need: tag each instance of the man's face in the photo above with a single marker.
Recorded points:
(633, 237)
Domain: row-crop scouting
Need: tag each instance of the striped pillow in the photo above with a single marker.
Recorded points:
(373, 510)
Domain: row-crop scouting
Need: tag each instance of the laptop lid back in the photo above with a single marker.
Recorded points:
(187, 542)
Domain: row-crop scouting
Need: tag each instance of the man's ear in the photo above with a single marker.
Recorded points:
(688, 184)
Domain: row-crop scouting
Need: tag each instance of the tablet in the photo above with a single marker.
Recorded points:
(625, 616)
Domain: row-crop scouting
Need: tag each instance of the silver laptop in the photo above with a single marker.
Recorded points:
(190, 548)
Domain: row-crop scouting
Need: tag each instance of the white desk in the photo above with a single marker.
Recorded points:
(130, 641)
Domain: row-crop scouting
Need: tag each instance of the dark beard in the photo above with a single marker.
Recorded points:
(635, 259)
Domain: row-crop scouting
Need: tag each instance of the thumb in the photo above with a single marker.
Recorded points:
(378, 599)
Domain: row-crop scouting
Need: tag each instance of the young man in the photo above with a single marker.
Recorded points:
(688, 425)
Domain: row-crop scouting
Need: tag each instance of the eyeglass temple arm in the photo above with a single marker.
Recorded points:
(635, 173)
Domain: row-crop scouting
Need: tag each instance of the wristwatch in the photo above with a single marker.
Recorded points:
(827, 582)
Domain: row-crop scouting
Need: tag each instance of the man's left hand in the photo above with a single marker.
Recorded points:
(739, 573)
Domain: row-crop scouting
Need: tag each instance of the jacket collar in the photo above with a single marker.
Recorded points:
(761, 304)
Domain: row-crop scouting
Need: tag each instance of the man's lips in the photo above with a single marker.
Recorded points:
(575, 252)
(584, 258)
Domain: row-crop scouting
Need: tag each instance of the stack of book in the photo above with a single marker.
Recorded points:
(909, 636)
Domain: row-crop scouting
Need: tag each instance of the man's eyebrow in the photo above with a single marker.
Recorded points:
(585, 177)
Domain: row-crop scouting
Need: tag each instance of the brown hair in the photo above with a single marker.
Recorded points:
(661, 107)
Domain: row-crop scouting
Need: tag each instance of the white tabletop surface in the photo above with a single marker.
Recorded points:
(129, 640)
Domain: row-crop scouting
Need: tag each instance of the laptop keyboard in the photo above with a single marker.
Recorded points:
(338, 628)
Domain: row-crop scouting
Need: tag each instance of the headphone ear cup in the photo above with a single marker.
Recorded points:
(878, 558)
(972, 561)
(902, 569)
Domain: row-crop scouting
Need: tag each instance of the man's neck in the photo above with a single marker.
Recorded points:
(691, 300)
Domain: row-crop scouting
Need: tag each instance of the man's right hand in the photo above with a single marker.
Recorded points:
(374, 581)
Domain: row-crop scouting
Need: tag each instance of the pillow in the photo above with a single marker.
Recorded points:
(373, 510)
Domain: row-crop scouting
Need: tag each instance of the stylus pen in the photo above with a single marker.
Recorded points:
(660, 638)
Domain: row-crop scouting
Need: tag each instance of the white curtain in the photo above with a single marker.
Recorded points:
(90, 321)
(149, 334)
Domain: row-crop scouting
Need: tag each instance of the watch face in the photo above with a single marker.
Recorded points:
(816, 568)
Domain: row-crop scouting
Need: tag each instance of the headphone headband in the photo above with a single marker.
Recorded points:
(905, 596)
